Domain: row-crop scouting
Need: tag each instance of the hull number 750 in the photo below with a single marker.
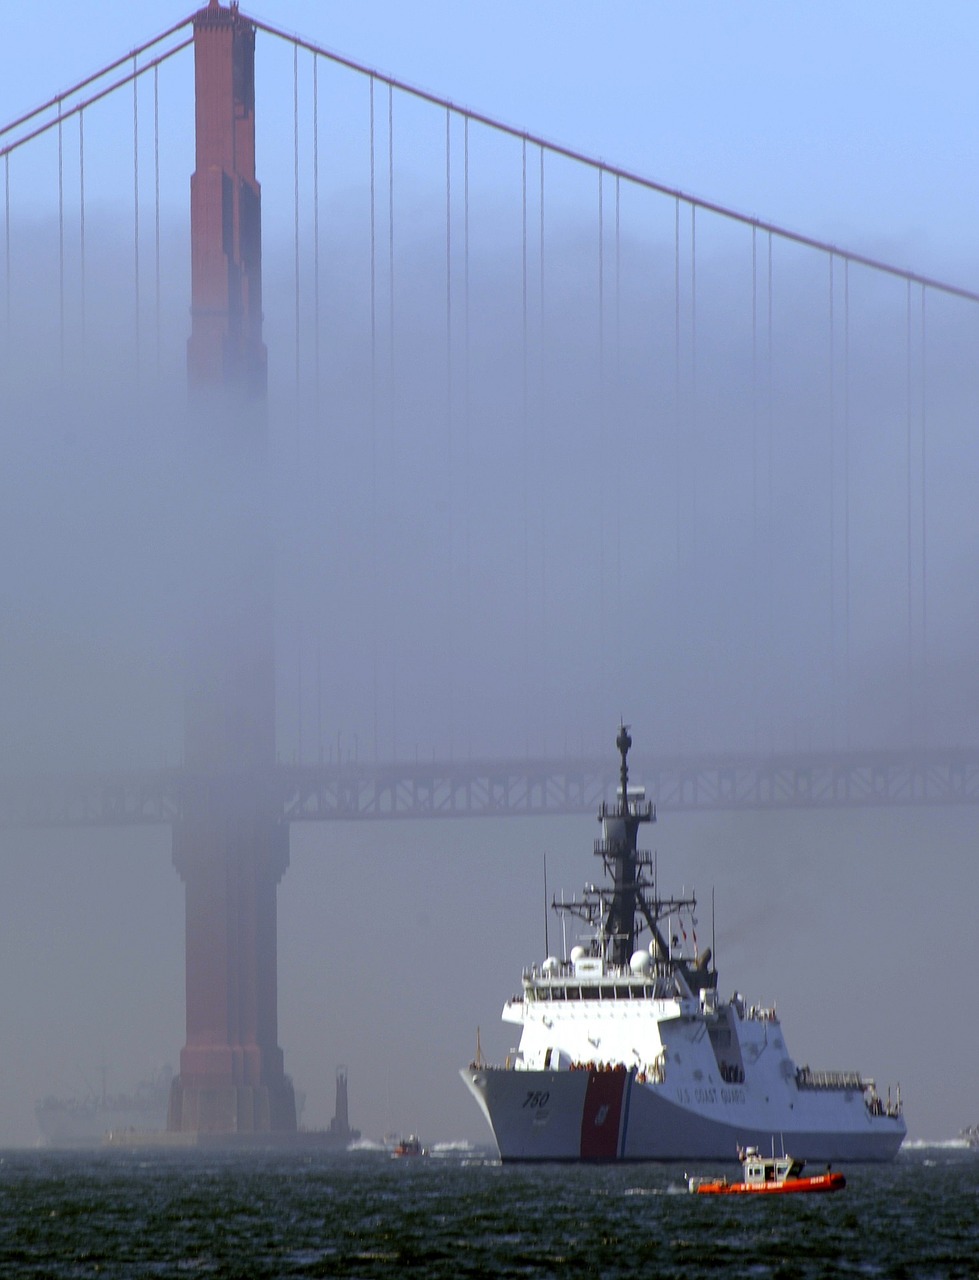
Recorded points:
(536, 1098)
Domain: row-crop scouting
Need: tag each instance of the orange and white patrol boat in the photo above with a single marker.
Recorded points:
(769, 1175)
(410, 1146)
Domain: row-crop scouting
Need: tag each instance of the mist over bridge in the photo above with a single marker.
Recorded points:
(470, 543)
(355, 790)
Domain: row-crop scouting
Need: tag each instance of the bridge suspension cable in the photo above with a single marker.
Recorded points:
(617, 171)
(66, 113)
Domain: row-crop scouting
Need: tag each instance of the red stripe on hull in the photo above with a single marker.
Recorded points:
(601, 1117)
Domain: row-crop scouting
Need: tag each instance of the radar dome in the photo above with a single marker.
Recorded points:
(641, 962)
(578, 953)
(550, 965)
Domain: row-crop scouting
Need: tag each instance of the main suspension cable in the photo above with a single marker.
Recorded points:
(627, 175)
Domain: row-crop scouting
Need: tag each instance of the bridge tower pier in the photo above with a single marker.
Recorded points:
(230, 846)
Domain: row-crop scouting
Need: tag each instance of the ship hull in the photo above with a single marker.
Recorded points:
(610, 1116)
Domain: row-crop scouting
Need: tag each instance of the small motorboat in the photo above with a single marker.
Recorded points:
(410, 1146)
(769, 1175)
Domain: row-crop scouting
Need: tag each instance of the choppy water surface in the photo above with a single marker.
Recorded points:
(118, 1214)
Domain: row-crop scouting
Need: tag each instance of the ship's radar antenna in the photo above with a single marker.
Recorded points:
(624, 742)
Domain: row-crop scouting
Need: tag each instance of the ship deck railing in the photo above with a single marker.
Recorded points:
(565, 971)
(768, 1013)
(806, 1078)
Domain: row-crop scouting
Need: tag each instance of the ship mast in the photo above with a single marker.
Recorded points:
(618, 914)
(618, 850)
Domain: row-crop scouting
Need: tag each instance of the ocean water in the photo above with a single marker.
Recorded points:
(458, 1213)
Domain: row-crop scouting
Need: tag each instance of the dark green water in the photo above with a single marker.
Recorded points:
(118, 1214)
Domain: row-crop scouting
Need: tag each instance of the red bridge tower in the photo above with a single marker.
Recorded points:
(231, 845)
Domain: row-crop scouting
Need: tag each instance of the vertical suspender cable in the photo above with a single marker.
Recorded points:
(693, 304)
(448, 404)
(601, 271)
(832, 500)
(924, 528)
(136, 211)
(316, 255)
(523, 283)
(448, 286)
(676, 378)
(695, 424)
(319, 701)
(373, 424)
(541, 281)
(295, 241)
(391, 249)
(602, 451)
(524, 430)
(467, 415)
(373, 271)
(755, 557)
(542, 429)
(448, 289)
(910, 577)
(770, 464)
(156, 181)
(61, 240)
(846, 500)
(319, 444)
(81, 218)
(391, 366)
(602, 448)
(618, 273)
(295, 231)
(6, 238)
(541, 263)
(601, 295)
(618, 384)
(318, 436)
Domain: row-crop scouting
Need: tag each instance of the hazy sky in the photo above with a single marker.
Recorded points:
(852, 123)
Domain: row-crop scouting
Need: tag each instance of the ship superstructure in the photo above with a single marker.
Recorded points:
(628, 1053)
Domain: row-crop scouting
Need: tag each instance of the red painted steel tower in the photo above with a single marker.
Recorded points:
(231, 845)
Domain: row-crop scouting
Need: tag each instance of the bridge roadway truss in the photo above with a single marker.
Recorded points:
(500, 788)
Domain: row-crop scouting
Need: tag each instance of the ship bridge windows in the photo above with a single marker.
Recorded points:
(624, 990)
(727, 1050)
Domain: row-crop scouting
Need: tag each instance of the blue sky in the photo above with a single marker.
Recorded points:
(851, 122)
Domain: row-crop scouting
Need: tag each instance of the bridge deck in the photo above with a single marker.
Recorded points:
(502, 788)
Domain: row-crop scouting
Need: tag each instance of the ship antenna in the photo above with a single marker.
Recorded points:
(624, 742)
(547, 948)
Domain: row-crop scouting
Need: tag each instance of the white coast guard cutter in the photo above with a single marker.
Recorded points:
(628, 1053)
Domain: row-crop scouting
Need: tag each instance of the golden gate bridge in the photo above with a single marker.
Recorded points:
(508, 363)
